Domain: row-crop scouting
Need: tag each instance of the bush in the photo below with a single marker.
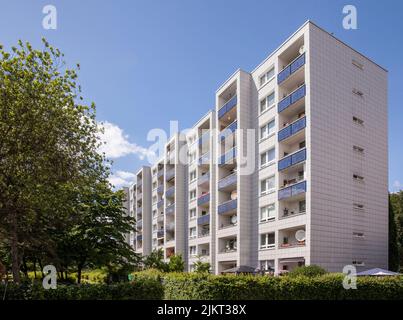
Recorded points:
(138, 289)
(325, 287)
(307, 271)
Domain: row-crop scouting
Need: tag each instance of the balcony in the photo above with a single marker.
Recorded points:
(291, 98)
(139, 237)
(291, 68)
(204, 179)
(231, 103)
(229, 156)
(139, 224)
(160, 173)
(203, 199)
(170, 209)
(160, 189)
(228, 181)
(292, 159)
(203, 219)
(292, 129)
(170, 174)
(204, 159)
(228, 207)
(160, 234)
(291, 238)
(205, 138)
(292, 191)
(170, 192)
(139, 210)
(228, 131)
(204, 233)
(160, 203)
(160, 218)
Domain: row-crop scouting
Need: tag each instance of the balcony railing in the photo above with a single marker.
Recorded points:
(139, 237)
(170, 209)
(295, 65)
(292, 191)
(160, 173)
(204, 138)
(160, 218)
(292, 159)
(227, 181)
(292, 129)
(160, 203)
(227, 157)
(204, 178)
(228, 130)
(204, 233)
(205, 198)
(160, 189)
(170, 192)
(139, 223)
(203, 219)
(170, 174)
(139, 210)
(291, 98)
(292, 244)
(231, 103)
(204, 159)
(228, 206)
(160, 234)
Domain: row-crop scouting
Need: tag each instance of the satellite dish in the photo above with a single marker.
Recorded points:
(234, 219)
(234, 195)
(300, 235)
(301, 49)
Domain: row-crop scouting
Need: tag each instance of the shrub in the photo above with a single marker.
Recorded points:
(138, 289)
(307, 271)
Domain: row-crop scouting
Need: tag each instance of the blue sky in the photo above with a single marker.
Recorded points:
(147, 62)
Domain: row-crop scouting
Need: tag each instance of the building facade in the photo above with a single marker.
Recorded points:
(290, 168)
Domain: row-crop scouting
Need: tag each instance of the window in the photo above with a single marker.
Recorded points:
(192, 194)
(302, 144)
(267, 157)
(357, 64)
(358, 235)
(267, 213)
(192, 213)
(267, 265)
(358, 206)
(267, 240)
(358, 178)
(267, 130)
(193, 175)
(192, 232)
(192, 250)
(358, 92)
(358, 121)
(358, 263)
(358, 149)
(267, 76)
(302, 206)
(267, 102)
(267, 185)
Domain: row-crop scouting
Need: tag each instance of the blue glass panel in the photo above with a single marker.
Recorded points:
(284, 74)
(284, 133)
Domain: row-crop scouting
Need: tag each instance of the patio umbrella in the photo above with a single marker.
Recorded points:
(377, 272)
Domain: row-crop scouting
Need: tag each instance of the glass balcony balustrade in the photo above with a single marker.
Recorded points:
(231, 103)
(292, 191)
(230, 129)
(227, 181)
(204, 199)
(292, 129)
(291, 68)
(291, 98)
(227, 206)
(292, 159)
(203, 219)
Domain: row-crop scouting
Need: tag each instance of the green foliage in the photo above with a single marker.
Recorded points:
(176, 263)
(307, 271)
(396, 204)
(393, 240)
(139, 289)
(155, 260)
(246, 287)
(202, 267)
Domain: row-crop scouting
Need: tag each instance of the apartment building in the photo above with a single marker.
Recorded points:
(290, 167)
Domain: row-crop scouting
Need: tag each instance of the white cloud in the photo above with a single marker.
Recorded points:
(116, 144)
(122, 179)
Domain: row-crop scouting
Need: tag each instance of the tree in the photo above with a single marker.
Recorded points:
(155, 260)
(201, 266)
(48, 148)
(176, 263)
(396, 202)
(310, 271)
(97, 238)
(393, 240)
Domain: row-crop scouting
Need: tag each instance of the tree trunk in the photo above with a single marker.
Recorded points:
(34, 268)
(79, 268)
(25, 267)
(15, 260)
(41, 267)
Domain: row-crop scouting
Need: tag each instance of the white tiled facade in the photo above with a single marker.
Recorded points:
(290, 167)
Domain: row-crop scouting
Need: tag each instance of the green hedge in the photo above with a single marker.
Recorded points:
(185, 286)
(139, 289)
(326, 287)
